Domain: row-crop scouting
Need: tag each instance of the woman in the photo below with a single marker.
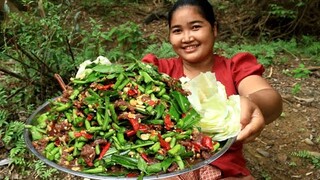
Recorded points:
(192, 33)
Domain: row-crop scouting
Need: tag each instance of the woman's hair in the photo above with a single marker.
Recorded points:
(204, 7)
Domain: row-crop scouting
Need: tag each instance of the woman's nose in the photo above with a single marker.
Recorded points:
(187, 37)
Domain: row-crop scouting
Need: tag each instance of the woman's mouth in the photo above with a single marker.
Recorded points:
(190, 48)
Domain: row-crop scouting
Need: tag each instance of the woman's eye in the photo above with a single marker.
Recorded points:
(176, 31)
(196, 27)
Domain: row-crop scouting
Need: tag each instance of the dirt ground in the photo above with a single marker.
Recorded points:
(298, 129)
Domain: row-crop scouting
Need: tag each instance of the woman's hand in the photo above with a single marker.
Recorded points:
(251, 119)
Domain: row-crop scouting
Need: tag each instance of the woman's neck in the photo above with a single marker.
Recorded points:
(191, 70)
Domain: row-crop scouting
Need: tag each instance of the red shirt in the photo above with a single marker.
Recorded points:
(229, 72)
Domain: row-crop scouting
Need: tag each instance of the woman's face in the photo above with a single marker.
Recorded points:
(192, 36)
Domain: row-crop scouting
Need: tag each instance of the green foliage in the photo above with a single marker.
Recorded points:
(310, 47)
(162, 51)
(301, 72)
(13, 140)
(129, 42)
(265, 52)
(42, 170)
(314, 160)
(296, 88)
(280, 11)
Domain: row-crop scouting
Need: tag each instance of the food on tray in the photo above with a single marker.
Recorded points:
(122, 120)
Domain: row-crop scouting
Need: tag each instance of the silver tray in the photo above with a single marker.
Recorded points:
(44, 107)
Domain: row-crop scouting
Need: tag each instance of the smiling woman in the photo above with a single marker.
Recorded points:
(192, 33)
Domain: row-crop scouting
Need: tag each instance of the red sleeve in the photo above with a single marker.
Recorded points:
(243, 65)
(150, 58)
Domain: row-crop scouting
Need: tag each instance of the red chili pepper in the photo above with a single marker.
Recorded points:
(83, 134)
(104, 150)
(132, 92)
(167, 122)
(151, 103)
(197, 146)
(163, 143)
(90, 164)
(132, 175)
(145, 157)
(104, 87)
(206, 141)
(134, 123)
(143, 127)
(131, 133)
(89, 117)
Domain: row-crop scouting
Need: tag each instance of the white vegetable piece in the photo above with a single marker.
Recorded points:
(83, 71)
(220, 115)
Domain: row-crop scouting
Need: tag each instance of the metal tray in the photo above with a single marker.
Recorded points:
(44, 107)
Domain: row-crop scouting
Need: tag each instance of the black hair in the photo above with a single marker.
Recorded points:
(205, 9)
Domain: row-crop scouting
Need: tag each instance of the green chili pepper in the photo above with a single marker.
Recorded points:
(94, 129)
(175, 150)
(155, 121)
(191, 118)
(166, 97)
(99, 118)
(35, 133)
(87, 124)
(146, 77)
(109, 133)
(173, 142)
(114, 115)
(106, 114)
(161, 92)
(119, 81)
(155, 147)
(174, 114)
(123, 84)
(50, 154)
(186, 154)
(74, 94)
(78, 81)
(159, 157)
(125, 161)
(179, 161)
(216, 146)
(166, 163)
(94, 94)
(62, 107)
(154, 168)
(120, 137)
(159, 110)
(41, 120)
(182, 101)
(69, 117)
(99, 169)
(116, 143)
(49, 147)
(168, 134)
(146, 143)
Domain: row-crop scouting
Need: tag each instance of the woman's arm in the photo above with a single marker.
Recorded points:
(259, 91)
